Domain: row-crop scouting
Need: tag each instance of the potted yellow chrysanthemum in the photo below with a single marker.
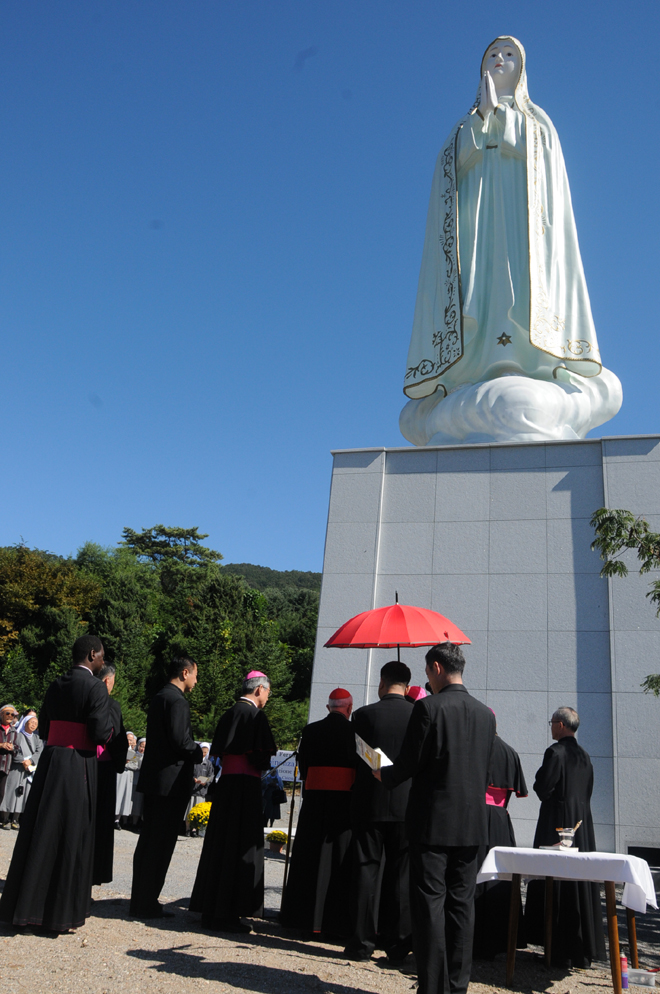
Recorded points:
(199, 817)
(276, 840)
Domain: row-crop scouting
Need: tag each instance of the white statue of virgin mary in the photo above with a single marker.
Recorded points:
(503, 344)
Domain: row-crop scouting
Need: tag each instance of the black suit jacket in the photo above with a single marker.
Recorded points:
(446, 752)
(382, 725)
(171, 751)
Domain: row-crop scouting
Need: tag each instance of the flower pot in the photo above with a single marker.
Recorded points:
(276, 846)
(201, 832)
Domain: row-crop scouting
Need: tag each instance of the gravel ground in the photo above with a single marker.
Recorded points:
(114, 953)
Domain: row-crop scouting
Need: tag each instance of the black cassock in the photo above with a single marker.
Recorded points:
(320, 872)
(564, 784)
(230, 876)
(380, 888)
(492, 899)
(49, 882)
(111, 762)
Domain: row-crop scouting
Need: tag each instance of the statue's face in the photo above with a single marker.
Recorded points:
(503, 62)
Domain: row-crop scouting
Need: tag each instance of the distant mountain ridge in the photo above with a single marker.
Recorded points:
(265, 578)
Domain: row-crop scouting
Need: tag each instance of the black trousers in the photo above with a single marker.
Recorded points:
(442, 884)
(381, 911)
(162, 818)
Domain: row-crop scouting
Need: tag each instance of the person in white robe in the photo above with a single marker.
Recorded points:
(124, 801)
(24, 761)
(502, 291)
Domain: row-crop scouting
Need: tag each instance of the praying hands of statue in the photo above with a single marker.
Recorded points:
(488, 97)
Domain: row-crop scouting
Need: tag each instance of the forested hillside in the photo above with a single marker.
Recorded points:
(159, 592)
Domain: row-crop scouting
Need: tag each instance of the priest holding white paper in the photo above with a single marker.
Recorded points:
(380, 905)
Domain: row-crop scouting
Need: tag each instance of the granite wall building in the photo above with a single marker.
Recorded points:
(497, 537)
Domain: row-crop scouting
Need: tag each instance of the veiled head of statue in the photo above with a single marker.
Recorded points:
(504, 59)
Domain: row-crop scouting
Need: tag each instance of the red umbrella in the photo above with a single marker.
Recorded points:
(396, 625)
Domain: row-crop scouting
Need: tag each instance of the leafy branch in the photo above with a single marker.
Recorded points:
(617, 531)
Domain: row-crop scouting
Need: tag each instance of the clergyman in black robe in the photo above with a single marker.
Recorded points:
(564, 784)
(230, 877)
(49, 882)
(380, 902)
(166, 779)
(446, 752)
(319, 878)
(111, 761)
(492, 900)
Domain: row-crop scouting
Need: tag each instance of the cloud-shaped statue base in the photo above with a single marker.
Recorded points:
(513, 409)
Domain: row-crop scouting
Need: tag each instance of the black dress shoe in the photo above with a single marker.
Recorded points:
(358, 955)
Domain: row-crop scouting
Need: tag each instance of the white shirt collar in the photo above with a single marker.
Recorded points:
(249, 700)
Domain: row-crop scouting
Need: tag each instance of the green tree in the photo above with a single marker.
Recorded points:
(43, 599)
(158, 593)
(125, 620)
(160, 544)
(618, 531)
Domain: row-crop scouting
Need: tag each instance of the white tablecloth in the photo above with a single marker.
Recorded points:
(632, 871)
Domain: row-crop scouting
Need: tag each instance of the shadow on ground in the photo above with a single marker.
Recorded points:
(249, 977)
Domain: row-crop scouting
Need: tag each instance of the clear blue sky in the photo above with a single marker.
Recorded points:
(211, 224)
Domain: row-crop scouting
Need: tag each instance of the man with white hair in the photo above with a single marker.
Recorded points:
(564, 784)
(319, 878)
(230, 877)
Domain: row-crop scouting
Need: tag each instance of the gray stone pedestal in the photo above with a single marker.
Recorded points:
(497, 538)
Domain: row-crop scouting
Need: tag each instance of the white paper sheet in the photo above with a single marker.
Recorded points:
(373, 757)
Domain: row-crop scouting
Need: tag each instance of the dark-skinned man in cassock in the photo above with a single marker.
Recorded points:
(564, 784)
(318, 884)
(380, 906)
(111, 761)
(446, 752)
(229, 884)
(492, 900)
(49, 883)
(166, 780)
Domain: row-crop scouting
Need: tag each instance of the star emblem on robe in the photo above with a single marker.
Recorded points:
(504, 339)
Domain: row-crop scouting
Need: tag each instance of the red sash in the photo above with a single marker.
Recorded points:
(71, 735)
(497, 796)
(238, 764)
(329, 778)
